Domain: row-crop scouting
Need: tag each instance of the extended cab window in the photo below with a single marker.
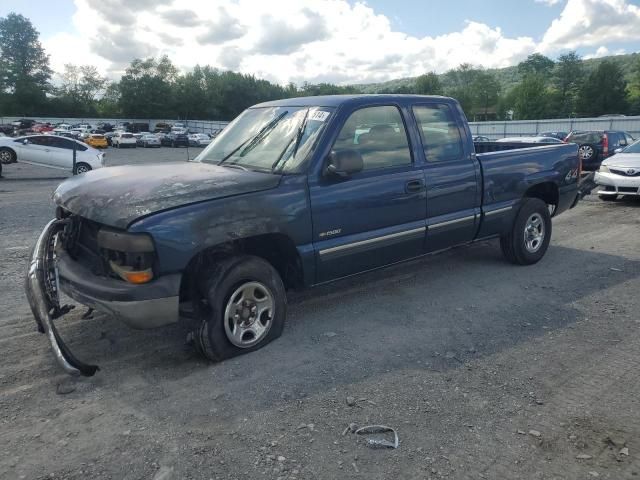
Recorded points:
(439, 132)
(378, 134)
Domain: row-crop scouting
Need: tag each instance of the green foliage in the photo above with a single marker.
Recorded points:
(567, 78)
(529, 98)
(536, 64)
(604, 91)
(429, 84)
(24, 72)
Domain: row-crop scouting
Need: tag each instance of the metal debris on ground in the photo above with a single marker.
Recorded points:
(374, 441)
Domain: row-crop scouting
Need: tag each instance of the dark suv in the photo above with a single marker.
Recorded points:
(596, 145)
(175, 140)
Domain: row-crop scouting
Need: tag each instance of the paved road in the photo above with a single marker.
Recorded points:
(485, 369)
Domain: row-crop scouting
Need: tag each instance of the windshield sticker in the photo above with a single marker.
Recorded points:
(319, 116)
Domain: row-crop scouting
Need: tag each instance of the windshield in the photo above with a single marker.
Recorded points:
(269, 138)
(633, 148)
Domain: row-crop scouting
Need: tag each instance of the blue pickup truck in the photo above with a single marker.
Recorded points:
(293, 193)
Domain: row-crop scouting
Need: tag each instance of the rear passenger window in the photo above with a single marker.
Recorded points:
(439, 132)
(378, 134)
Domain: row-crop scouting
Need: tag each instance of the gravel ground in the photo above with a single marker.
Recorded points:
(486, 370)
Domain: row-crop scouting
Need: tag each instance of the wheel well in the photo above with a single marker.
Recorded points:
(547, 192)
(277, 249)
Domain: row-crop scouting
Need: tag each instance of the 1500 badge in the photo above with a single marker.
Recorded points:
(330, 233)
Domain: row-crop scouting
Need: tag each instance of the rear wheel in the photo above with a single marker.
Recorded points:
(246, 306)
(608, 198)
(7, 155)
(82, 168)
(587, 152)
(529, 238)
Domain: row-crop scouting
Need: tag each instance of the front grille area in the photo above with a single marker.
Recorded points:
(79, 240)
(627, 189)
(624, 173)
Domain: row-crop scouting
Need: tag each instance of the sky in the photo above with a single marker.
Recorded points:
(338, 41)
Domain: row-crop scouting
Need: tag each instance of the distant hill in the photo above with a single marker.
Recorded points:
(507, 77)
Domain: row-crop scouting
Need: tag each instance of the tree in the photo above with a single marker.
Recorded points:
(460, 85)
(429, 84)
(633, 89)
(81, 85)
(536, 63)
(529, 98)
(147, 88)
(486, 89)
(25, 69)
(567, 76)
(604, 91)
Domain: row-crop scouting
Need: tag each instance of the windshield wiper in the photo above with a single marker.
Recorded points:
(298, 138)
(235, 165)
(251, 142)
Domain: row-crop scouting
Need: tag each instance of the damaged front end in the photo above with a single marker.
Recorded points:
(42, 289)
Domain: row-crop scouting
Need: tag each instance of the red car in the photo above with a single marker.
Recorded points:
(42, 128)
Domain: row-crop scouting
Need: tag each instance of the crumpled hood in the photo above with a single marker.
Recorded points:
(117, 196)
(624, 160)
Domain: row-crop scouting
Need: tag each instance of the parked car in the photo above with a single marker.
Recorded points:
(293, 193)
(50, 151)
(529, 140)
(41, 128)
(620, 173)
(175, 140)
(96, 140)
(148, 140)
(596, 145)
(123, 139)
(558, 135)
(480, 138)
(23, 124)
(199, 140)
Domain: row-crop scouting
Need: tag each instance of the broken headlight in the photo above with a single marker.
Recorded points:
(129, 255)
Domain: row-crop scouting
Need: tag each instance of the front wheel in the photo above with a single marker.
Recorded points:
(246, 305)
(7, 155)
(528, 240)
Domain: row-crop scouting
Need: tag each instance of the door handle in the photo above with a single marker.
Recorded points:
(413, 186)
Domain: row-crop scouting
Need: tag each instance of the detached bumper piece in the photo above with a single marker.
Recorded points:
(42, 292)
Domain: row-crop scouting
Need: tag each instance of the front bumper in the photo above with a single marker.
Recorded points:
(615, 184)
(145, 306)
(51, 269)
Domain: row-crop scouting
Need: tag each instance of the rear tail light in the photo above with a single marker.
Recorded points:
(605, 145)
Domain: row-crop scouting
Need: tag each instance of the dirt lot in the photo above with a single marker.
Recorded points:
(486, 370)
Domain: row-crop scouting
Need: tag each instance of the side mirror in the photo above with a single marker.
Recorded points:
(618, 150)
(25, 141)
(344, 163)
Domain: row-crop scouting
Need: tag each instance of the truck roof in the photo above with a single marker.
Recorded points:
(337, 100)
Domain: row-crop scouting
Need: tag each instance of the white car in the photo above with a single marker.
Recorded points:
(620, 173)
(50, 151)
(149, 140)
(123, 140)
(199, 139)
(529, 140)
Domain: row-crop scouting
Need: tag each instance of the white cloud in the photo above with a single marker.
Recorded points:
(314, 40)
(603, 51)
(587, 23)
(304, 40)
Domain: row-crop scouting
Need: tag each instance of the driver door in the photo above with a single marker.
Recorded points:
(34, 149)
(374, 217)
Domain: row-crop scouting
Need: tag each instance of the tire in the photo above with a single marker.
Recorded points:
(82, 167)
(528, 240)
(587, 153)
(7, 156)
(608, 198)
(222, 333)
